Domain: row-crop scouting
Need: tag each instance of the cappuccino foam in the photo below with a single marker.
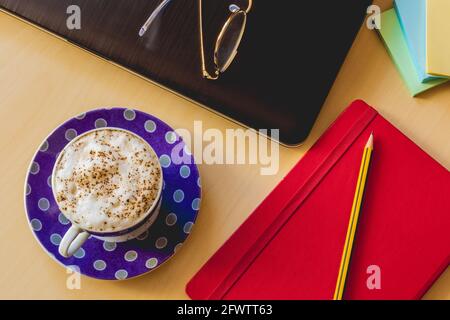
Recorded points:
(107, 180)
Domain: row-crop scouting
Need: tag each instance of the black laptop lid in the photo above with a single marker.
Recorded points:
(288, 60)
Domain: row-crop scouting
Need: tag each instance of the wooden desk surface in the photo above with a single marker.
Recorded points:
(44, 81)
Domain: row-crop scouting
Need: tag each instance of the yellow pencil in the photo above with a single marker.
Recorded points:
(353, 222)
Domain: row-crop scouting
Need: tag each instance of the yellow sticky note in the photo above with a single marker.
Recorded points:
(438, 37)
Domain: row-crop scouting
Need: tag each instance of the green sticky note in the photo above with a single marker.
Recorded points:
(393, 37)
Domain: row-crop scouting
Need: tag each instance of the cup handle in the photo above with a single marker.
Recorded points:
(72, 241)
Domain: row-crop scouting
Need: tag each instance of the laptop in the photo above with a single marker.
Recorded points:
(287, 61)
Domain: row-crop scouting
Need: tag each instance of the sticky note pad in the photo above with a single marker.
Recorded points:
(392, 35)
(438, 37)
(413, 18)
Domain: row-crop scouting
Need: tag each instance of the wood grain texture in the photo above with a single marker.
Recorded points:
(44, 81)
(298, 42)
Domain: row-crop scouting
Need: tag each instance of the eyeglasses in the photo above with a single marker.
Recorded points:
(227, 42)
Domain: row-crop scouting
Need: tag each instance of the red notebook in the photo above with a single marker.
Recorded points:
(291, 245)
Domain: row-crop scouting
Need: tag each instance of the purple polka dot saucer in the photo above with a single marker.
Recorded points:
(116, 261)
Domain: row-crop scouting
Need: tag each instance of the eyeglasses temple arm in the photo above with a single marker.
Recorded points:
(153, 16)
(249, 7)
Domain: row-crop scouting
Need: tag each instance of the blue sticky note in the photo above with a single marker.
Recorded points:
(394, 39)
(412, 16)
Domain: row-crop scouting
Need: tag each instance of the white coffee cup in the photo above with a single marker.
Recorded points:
(76, 236)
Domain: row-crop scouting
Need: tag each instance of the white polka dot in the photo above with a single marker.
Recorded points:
(43, 204)
(171, 219)
(101, 123)
(171, 137)
(63, 219)
(73, 268)
(199, 182)
(79, 254)
(165, 161)
(150, 126)
(81, 116)
(129, 114)
(161, 243)
(44, 146)
(177, 247)
(109, 246)
(131, 256)
(28, 190)
(55, 239)
(49, 181)
(35, 168)
(187, 150)
(36, 224)
(151, 263)
(121, 274)
(195, 204)
(188, 227)
(178, 196)
(99, 265)
(185, 171)
(70, 134)
(142, 236)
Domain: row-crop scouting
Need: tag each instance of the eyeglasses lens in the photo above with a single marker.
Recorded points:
(231, 37)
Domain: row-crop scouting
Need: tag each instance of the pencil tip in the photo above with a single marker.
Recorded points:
(370, 141)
